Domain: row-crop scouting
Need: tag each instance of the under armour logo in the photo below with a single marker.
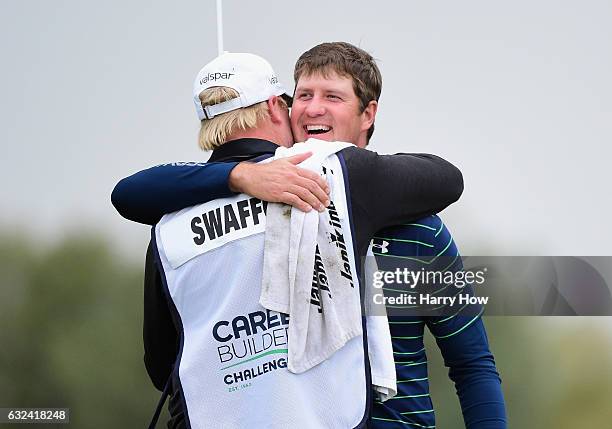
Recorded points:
(382, 247)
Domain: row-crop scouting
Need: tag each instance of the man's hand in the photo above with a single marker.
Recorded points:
(282, 181)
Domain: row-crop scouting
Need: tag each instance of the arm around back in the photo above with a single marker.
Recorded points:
(147, 195)
(394, 189)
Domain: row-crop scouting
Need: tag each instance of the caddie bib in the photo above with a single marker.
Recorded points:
(232, 362)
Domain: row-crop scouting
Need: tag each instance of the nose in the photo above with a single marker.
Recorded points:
(315, 107)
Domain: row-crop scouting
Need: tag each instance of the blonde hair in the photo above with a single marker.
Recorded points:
(214, 132)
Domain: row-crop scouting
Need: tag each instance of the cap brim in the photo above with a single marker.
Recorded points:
(288, 99)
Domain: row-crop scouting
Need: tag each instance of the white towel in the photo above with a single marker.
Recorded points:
(294, 242)
(289, 257)
(380, 348)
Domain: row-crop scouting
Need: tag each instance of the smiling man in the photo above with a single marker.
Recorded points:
(336, 99)
(325, 109)
(331, 101)
(203, 329)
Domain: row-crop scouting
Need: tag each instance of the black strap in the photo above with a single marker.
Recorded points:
(160, 404)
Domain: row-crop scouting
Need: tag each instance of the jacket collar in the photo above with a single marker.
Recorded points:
(242, 149)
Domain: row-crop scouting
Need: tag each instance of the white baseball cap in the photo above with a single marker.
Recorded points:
(250, 75)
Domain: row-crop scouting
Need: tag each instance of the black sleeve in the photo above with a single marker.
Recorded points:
(161, 339)
(388, 190)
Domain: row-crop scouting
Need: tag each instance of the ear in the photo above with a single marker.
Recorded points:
(368, 115)
(275, 110)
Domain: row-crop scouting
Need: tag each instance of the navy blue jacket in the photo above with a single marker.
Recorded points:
(147, 195)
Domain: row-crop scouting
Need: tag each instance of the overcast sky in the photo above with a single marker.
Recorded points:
(517, 94)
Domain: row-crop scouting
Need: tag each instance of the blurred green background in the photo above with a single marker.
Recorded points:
(71, 317)
(517, 94)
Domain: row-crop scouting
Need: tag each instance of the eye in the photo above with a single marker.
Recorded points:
(303, 96)
(333, 97)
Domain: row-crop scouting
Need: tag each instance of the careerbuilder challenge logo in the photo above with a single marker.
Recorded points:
(254, 339)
